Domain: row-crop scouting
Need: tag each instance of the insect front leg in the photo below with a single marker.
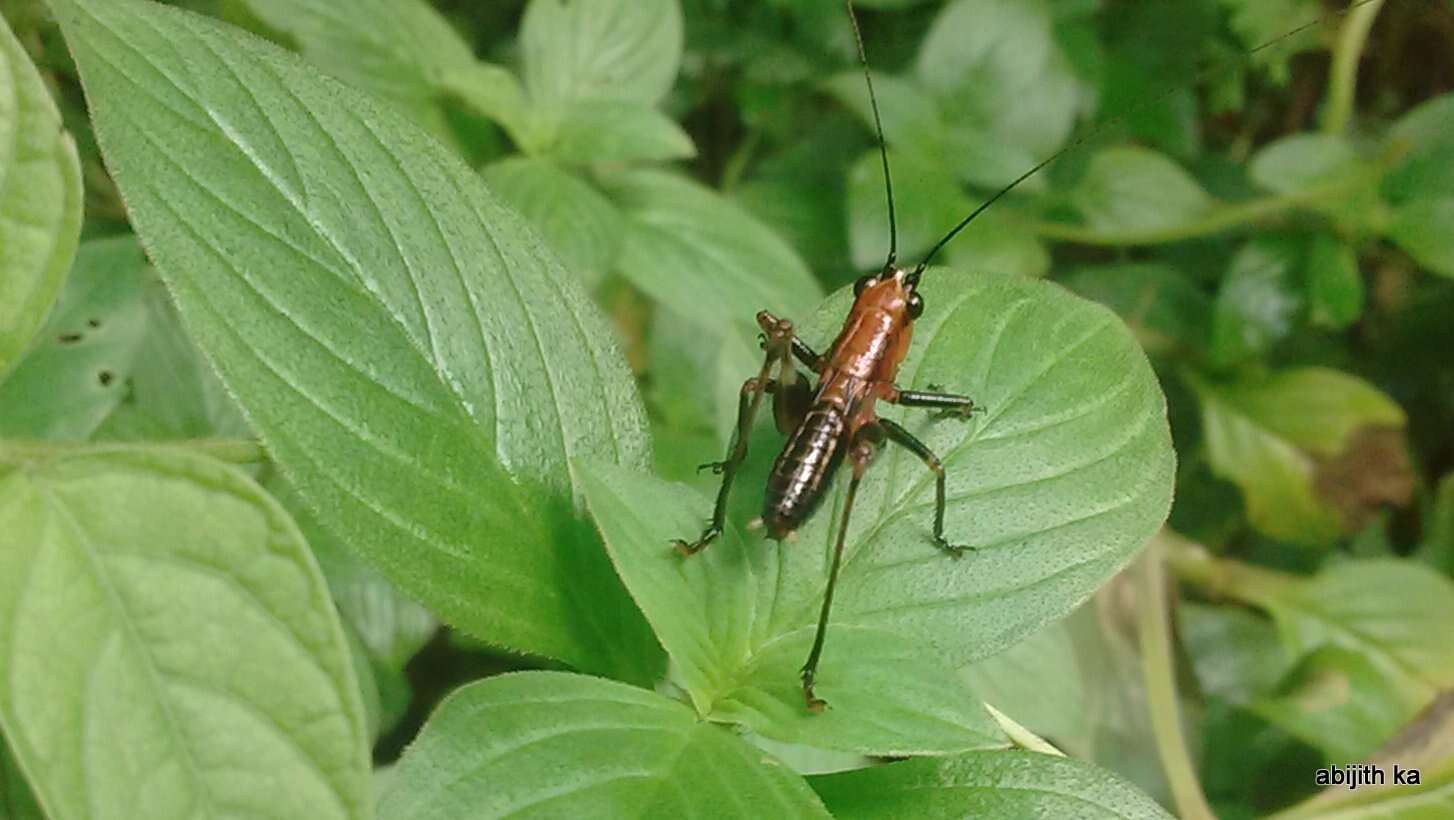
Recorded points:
(778, 337)
(801, 351)
(899, 435)
(949, 404)
(860, 453)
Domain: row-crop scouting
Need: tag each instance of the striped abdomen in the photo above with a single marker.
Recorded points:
(803, 469)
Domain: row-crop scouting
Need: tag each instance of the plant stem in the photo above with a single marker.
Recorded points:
(1215, 221)
(1343, 80)
(1222, 577)
(1154, 630)
(232, 451)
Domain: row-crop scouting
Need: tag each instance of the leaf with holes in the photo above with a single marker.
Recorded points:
(415, 360)
(1056, 487)
(549, 744)
(77, 372)
(151, 561)
(40, 200)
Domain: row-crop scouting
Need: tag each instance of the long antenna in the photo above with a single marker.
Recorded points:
(1120, 119)
(878, 128)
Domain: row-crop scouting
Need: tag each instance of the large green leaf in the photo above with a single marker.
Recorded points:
(547, 744)
(40, 200)
(1314, 450)
(77, 372)
(715, 614)
(417, 362)
(602, 50)
(1055, 487)
(705, 257)
(984, 784)
(202, 664)
(927, 203)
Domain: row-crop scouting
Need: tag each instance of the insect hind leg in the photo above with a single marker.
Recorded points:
(897, 434)
(778, 342)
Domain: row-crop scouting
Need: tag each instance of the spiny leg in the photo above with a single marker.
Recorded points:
(949, 404)
(859, 457)
(778, 344)
(899, 435)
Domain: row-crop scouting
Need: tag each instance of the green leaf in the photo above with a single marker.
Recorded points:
(579, 223)
(1302, 163)
(1422, 228)
(1305, 447)
(927, 202)
(1424, 139)
(552, 744)
(17, 802)
(1337, 701)
(609, 131)
(1136, 189)
(418, 364)
(189, 603)
(77, 371)
(1164, 308)
(1335, 285)
(1258, 300)
(1038, 682)
(1234, 651)
(984, 784)
(910, 115)
(40, 200)
(1000, 75)
(997, 244)
(1256, 22)
(172, 392)
(621, 50)
(399, 49)
(1038, 485)
(714, 615)
(703, 256)
(1380, 610)
(495, 93)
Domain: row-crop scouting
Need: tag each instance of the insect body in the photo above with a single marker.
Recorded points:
(835, 420)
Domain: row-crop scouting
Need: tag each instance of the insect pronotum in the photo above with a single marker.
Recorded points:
(834, 419)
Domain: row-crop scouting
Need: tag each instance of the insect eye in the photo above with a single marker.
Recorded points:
(863, 282)
(916, 306)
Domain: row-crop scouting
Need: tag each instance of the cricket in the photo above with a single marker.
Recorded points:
(831, 417)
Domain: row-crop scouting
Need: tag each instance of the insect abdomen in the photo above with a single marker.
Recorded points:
(802, 470)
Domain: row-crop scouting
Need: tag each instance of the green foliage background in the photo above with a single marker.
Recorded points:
(437, 318)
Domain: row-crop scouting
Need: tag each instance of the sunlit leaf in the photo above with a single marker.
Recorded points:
(188, 602)
(1422, 228)
(412, 356)
(1258, 299)
(40, 200)
(550, 744)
